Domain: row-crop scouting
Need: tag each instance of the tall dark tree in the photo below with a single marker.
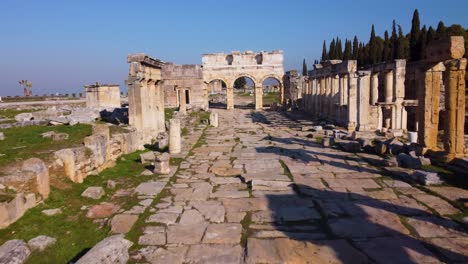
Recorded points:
(304, 68)
(431, 35)
(394, 41)
(415, 37)
(373, 48)
(355, 48)
(387, 50)
(347, 50)
(324, 52)
(332, 50)
(441, 31)
(402, 45)
(423, 43)
(339, 49)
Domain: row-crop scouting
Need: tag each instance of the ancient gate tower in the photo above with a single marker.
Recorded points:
(145, 95)
(256, 66)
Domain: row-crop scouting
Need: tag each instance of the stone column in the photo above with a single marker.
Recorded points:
(182, 101)
(455, 87)
(258, 97)
(174, 136)
(374, 89)
(335, 96)
(230, 98)
(389, 87)
(161, 119)
(321, 96)
(428, 83)
(399, 95)
(352, 102)
(214, 119)
(363, 100)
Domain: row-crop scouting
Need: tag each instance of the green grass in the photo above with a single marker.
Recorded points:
(26, 142)
(11, 113)
(270, 98)
(73, 231)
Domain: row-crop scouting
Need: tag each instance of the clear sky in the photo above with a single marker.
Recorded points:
(62, 45)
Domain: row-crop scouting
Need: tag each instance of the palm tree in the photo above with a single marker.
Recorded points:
(27, 87)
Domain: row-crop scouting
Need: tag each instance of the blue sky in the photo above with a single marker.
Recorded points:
(62, 45)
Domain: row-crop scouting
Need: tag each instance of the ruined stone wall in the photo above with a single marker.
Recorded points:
(181, 78)
(99, 152)
(294, 88)
(102, 96)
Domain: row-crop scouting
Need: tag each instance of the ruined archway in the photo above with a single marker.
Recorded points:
(256, 66)
(271, 90)
(244, 92)
(216, 93)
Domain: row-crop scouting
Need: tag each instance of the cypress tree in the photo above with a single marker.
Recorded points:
(373, 50)
(387, 50)
(304, 68)
(332, 50)
(402, 45)
(324, 52)
(355, 48)
(431, 35)
(394, 42)
(415, 37)
(422, 43)
(347, 50)
(441, 31)
(339, 49)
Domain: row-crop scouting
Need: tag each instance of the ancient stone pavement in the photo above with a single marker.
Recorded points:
(255, 190)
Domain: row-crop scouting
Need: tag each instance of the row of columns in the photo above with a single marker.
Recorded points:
(451, 74)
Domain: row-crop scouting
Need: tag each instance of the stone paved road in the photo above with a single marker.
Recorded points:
(255, 192)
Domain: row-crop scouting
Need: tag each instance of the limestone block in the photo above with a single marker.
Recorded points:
(161, 164)
(446, 49)
(41, 172)
(93, 192)
(41, 242)
(113, 249)
(14, 252)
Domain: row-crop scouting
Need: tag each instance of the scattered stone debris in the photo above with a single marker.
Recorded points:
(14, 252)
(94, 192)
(41, 242)
(51, 212)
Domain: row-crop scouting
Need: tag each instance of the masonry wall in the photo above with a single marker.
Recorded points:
(102, 96)
(178, 78)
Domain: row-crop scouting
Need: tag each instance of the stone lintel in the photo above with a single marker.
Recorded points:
(364, 73)
(446, 49)
(456, 65)
(145, 60)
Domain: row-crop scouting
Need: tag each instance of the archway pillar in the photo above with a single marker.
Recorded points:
(230, 98)
(258, 97)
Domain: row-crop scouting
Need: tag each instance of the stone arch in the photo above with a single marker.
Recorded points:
(273, 76)
(244, 75)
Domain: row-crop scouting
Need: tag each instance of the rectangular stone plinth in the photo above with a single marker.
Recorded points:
(103, 95)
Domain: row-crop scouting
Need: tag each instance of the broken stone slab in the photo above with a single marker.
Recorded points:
(215, 253)
(186, 234)
(147, 157)
(163, 218)
(223, 234)
(41, 173)
(150, 188)
(153, 236)
(94, 192)
(226, 171)
(59, 120)
(41, 242)
(102, 210)
(24, 117)
(426, 177)
(113, 249)
(14, 252)
(122, 223)
(407, 161)
(51, 212)
(271, 185)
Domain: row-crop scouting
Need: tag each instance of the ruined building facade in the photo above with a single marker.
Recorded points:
(396, 96)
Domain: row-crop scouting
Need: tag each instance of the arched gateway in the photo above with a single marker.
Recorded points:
(256, 66)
